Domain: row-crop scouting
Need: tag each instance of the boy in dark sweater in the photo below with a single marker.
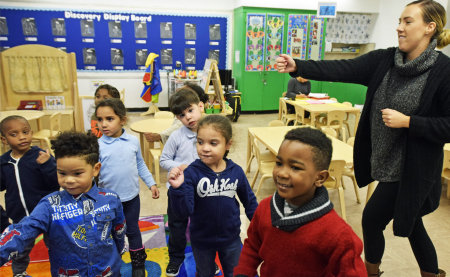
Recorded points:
(27, 174)
(296, 232)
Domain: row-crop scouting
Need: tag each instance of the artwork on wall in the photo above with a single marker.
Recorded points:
(3, 26)
(274, 40)
(119, 40)
(214, 32)
(141, 56)
(297, 35)
(214, 55)
(166, 30)
(58, 27)
(255, 36)
(140, 29)
(189, 56)
(315, 38)
(115, 29)
(89, 56)
(190, 31)
(350, 28)
(166, 56)
(87, 28)
(29, 26)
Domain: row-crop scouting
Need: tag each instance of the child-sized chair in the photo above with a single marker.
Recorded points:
(334, 181)
(44, 135)
(264, 167)
(285, 116)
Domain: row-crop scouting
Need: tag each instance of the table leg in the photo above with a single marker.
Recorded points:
(313, 118)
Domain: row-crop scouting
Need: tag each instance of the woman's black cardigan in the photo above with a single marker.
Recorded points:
(420, 184)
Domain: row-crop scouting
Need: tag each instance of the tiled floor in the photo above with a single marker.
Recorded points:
(398, 259)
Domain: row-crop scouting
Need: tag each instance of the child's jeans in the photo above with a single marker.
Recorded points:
(228, 256)
(177, 236)
(131, 211)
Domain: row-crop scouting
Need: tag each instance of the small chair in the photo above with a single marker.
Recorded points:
(334, 181)
(335, 120)
(265, 156)
(346, 120)
(285, 116)
(45, 135)
(446, 171)
(154, 155)
(330, 131)
(275, 123)
(349, 172)
(264, 167)
(300, 116)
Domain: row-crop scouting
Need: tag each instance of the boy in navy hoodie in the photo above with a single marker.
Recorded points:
(27, 174)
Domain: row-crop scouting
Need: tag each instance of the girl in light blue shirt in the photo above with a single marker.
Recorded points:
(122, 165)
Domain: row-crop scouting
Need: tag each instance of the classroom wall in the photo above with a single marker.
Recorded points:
(384, 32)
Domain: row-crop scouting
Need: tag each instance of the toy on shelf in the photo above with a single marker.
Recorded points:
(182, 74)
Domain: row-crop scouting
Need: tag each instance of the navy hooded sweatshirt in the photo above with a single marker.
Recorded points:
(34, 181)
(209, 198)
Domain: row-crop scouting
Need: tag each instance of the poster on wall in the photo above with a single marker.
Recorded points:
(89, 56)
(140, 29)
(166, 30)
(189, 56)
(254, 54)
(116, 56)
(166, 56)
(58, 27)
(3, 26)
(214, 32)
(315, 38)
(87, 28)
(141, 56)
(29, 26)
(214, 55)
(274, 40)
(297, 35)
(190, 31)
(115, 29)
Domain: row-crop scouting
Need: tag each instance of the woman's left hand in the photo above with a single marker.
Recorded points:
(395, 119)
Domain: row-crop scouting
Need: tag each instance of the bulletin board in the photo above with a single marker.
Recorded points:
(119, 40)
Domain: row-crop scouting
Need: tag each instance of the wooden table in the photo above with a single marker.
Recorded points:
(316, 109)
(272, 137)
(150, 125)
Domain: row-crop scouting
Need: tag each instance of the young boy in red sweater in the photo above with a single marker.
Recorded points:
(296, 232)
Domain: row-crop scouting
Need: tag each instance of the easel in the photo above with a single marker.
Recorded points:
(212, 74)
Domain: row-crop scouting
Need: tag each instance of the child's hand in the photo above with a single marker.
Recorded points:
(176, 177)
(155, 192)
(43, 156)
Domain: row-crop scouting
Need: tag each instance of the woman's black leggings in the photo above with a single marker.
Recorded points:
(378, 212)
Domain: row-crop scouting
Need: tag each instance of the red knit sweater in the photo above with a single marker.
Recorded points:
(324, 247)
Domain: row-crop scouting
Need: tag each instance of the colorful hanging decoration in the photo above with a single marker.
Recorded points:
(316, 31)
(274, 40)
(254, 53)
(151, 80)
(297, 35)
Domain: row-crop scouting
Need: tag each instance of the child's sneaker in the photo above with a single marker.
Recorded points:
(23, 274)
(217, 270)
(173, 269)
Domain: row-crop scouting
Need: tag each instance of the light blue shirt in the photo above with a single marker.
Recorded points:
(122, 165)
(179, 149)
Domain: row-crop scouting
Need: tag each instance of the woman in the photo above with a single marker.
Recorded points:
(404, 125)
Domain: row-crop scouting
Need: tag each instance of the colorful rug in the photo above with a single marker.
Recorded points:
(154, 236)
